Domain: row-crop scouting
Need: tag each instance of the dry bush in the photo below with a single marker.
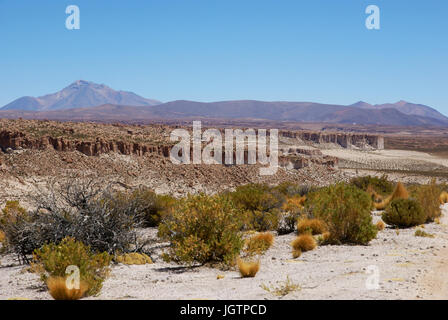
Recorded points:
(133, 258)
(345, 209)
(304, 242)
(53, 259)
(443, 197)
(313, 226)
(421, 233)
(248, 269)
(404, 213)
(84, 209)
(380, 225)
(57, 288)
(287, 222)
(259, 243)
(203, 229)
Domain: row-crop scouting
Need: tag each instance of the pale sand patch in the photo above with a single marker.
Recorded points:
(388, 159)
(436, 282)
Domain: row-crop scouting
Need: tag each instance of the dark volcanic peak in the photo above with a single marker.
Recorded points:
(79, 94)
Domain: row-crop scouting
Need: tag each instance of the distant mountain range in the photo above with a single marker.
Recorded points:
(87, 101)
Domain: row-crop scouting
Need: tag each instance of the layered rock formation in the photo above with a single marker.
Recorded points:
(345, 140)
(15, 140)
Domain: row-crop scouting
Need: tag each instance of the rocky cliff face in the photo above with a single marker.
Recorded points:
(345, 140)
(15, 140)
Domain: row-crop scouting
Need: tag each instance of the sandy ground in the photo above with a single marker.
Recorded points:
(388, 159)
(409, 267)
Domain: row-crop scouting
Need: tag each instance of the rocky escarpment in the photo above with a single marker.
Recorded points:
(345, 140)
(16, 140)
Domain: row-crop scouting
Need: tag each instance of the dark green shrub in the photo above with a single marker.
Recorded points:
(404, 213)
(428, 196)
(381, 185)
(145, 204)
(345, 209)
(261, 206)
(291, 189)
(203, 229)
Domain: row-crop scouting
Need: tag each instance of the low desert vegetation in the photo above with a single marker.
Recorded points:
(133, 258)
(443, 197)
(145, 203)
(422, 233)
(345, 209)
(283, 289)
(53, 259)
(248, 269)
(259, 243)
(376, 197)
(57, 287)
(427, 196)
(303, 243)
(290, 189)
(380, 225)
(381, 186)
(313, 226)
(261, 205)
(399, 192)
(82, 209)
(404, 213)
(203, 229)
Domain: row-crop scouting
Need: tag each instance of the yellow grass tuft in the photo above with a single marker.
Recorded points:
(58, 289)
(400, 192)
(248, 269)
(259, 243)
(380, 225)
(373, 194)
(294, 203)
(313, 226)
(304, 242)
(296, 253)
(444, 197)
(133, 258)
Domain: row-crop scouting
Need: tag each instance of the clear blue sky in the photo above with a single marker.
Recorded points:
(209, 50)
